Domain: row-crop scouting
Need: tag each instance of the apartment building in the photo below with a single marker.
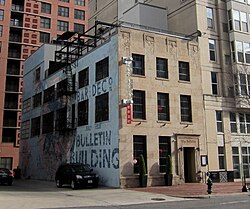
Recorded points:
(24, 26)
(132, 90)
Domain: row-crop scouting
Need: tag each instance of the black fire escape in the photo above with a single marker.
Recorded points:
(73, 46)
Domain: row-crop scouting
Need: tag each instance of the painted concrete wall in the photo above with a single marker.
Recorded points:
(95, 144)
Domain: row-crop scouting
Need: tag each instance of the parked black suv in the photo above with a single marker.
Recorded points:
(76, 175)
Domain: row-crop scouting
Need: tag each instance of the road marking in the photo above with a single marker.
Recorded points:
(235, 202)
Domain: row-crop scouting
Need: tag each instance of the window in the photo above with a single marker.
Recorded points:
(186, 110)
(80, 2)
(236, 162)
(247, 52)
(79, 28)
(212, 49)
(79, 14)
(1, 30)
(214, 80)
(49, 94)
(139, 148)
(61, 119)
(67, 1)
(37, 100)
(44, 37)
(45, 22)
(230, 20)
(6, 162)
(2, 2)
(245, 160)
(25, 129)
(48, 123)
(61, 88)
(219, 121)
(243, 84)
(184, 71)
(63, 11)
(138, 64)
(83, 113)
(139, 105)
(240, 21)
(221, 156)
(62, 25)
(83, 78)
(26, 105)
(37, 74)
(236, 16)
(240, 53)
(164, 151)
(35, 126)
(1, 14)
(102, 69)
(163, 106)
(210, 18)
(233, 122)
(161, 67)
(102, 108)
(244, 123)
(46, 8)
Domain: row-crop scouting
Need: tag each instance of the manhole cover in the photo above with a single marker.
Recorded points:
(158, 199)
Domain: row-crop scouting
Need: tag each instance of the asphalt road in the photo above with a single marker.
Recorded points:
(31, 194)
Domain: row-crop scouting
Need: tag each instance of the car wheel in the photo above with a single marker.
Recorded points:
(95, 185)
(73, 185)
(58, 183)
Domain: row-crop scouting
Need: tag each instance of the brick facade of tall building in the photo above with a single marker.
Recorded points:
(24, 26)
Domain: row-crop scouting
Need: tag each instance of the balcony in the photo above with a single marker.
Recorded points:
(12, 84)
(16, 22)
(14, 51)
(15, 38)
(10, 119)
(11, 101)
(13, 67)
(17, 8)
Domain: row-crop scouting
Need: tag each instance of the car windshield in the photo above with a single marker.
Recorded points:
(81, 168)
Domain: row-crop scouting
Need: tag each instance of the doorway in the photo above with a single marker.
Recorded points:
(189, 164)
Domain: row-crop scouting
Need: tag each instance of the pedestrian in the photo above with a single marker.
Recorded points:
(17, 173)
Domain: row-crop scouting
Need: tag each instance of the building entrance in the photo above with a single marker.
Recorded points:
(189, 164)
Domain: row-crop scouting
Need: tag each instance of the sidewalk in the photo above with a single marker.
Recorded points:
(194, 190)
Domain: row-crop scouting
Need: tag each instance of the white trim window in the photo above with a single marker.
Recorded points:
(215, 84)
(240, 21)
(219, 121)
(212, 49)
(210, 18)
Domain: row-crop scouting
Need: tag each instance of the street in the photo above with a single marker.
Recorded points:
(32, 194)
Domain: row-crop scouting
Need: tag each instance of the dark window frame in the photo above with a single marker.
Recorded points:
(184, 71)
(83, 113)
(102, 69)
(161, 67)
(186, 108)
(102, 108)
(139, 104)
(139, 147)
(138, 64)
(163, 106)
